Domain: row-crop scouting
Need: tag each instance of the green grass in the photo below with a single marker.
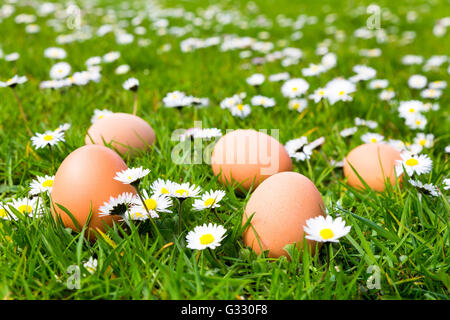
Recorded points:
(402, 232)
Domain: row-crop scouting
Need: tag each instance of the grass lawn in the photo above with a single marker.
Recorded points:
(398, 244)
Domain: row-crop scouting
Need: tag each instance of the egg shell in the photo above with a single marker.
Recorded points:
(281, 206)
(85, 180)
(125, 132)
(374, 162)
(248, 155)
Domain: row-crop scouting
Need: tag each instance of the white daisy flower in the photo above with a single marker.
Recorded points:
(48, 138)
(30, 207)
(111, 56)
(329, 60)
(42, 184)
(372, 137)
(424, 140)
(431, 93)
(91, 265)
(417, 81)
(14, 81)
(294, 88)
(378, 84)
(283, 76)
(60, 70)
(348, 132)
(12, 57)
(339, 89)
(313, 70)
(55, 53)
(155, 203)
(387, 95)
(207, 133)
(325, 229)
(262, 101)
(131, 175)
(175, 99)
(438, 85)
(117, 205)
(298, 149)
(397, 144)
(418, 164)
(297, 104)
(256, 79)
(163, 187)
(209, 199)
(416, 121)
(230, 102)
(410, 108)
(426, 188)
(93, 61)
(411, 59)
(63, 127)
(205, 236)
(318, 95)
(100, 114)
(363, 73)
(446, 183)
(185, 190)
(241, 110)
(131, 84)
(122, 69)
(367, 123)
(6, 214)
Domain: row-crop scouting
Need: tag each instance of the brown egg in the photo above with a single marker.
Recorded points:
(374, 162)
(84, 181)
(248, 156)
(281, 206)
(125, 132)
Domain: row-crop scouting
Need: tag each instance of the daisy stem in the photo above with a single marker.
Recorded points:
(135, 105)
(213, 255)
(159, 235)
(217, 216)
(180, 221)
(22, 112)
(328, 252)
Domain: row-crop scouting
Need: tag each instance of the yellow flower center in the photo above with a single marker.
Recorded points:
(294, 89)
(164, 191)
(326, 233)
(418, 122)
(412, 162)
(321, 92)
(2, 213)
(373, 140)
(206, 239)
(341, 93)
(47, 183)
(138, 214)
(150, 204)
(182, 191)
(422, 142)
(209, 202)
(296, 106)
(99, 117)
(48, 137)
(240, 106)
(25, 209)
(411, 110)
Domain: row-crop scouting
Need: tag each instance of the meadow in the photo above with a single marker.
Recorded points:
(397, 247)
